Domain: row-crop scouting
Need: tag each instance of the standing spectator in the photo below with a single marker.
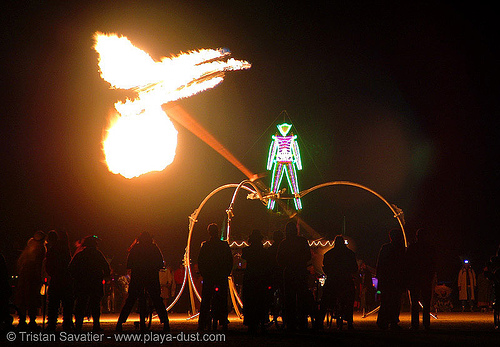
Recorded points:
(312, 298)
(88, 268)
(198, 283)
(215, 263)
(390, 274)
(167, 284)
(276, 270)
(339, 265)
(29, 267)
(5, 293)
(144, 261)
(484, 291)
(293, 256)
(256, 282)
(367, 290)
(466, 285)
(60, 289)
(420, 267)
(182, 305)
(493, 274)
(273, 252)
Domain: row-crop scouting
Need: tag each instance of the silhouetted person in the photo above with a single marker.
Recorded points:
(5, 293)
(215, 263)
(29, 268)
(277, 271)
(390, 274)
(293, 256)
(312, 295)
(144, 261)
(493, 274)
(167, 285)
(484, 291)
(256, 282)
(466, 285)
(182, 305)
(88, 268)
(339, 266)
(420, 270)
(367, 291)
(60, 290)
(197, 281)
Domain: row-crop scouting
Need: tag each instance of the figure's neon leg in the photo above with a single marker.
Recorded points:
(275, 183)
(270, 204)
(295, 182)
(291, 175)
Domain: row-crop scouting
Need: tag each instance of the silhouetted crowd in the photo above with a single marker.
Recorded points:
(279, 284)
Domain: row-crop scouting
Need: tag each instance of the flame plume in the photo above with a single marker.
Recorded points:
(142, 138)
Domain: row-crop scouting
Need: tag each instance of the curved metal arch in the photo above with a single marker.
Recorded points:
(188, 279)
(229, 211)
(256, 191)
(397, 213)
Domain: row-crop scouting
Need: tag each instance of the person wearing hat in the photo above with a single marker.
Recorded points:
(29, 269)
(88, 267)
(256, 283)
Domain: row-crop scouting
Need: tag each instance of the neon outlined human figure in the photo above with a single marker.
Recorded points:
(284, 158)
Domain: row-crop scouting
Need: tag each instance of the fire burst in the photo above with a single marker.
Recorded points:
(142, 138)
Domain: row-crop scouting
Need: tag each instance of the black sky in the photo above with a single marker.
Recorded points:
(398, 97)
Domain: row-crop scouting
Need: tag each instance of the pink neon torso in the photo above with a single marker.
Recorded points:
(284, 149)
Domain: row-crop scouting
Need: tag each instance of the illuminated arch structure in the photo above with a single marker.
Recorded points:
(264, 196)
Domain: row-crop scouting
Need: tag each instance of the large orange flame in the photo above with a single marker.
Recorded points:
(142, 138)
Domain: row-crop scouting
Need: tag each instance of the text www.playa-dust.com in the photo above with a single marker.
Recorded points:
(167, 337)
(154, 337)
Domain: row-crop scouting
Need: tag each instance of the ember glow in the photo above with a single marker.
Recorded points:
(142, 138)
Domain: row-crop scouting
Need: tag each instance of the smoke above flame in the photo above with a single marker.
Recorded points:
(142, 138)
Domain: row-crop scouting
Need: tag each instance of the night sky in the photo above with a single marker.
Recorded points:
(399, 98)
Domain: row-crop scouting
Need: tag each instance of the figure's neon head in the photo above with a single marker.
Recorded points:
(284, 128)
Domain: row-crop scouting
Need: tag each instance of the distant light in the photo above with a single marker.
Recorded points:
(466, 261)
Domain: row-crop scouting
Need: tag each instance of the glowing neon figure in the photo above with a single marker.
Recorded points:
(284, 157)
